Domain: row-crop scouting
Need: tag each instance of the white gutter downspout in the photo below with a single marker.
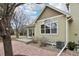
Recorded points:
(66, 38)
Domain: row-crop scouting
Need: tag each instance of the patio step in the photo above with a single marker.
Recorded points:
(25, 40)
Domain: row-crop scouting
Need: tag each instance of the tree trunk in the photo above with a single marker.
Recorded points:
(6, 15)
(6, 37)
(17, 33)
(7, 44)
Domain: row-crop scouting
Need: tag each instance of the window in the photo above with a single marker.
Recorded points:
(53, 28)
(42, 29)
(49, 27)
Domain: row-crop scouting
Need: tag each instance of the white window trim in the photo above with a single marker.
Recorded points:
(54, 21)
(57, 28)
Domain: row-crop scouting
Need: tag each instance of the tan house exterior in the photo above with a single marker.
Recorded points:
(74, 25)
(56, 18)
(60, 35)
(59, 17)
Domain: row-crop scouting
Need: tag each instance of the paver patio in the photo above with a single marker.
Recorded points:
(20, 48)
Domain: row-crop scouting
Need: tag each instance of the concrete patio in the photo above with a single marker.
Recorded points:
(22, 38)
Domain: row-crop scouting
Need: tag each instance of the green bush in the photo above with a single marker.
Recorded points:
(71, 45)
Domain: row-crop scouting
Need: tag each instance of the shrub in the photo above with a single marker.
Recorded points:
(71, 45)
(42, 41)
(34, 41)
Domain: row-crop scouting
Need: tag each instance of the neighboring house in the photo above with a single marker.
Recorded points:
(49, 25)
(74, 25)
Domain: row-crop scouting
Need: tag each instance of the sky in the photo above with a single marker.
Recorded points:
(33, 10)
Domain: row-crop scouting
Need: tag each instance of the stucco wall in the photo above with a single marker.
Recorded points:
(61, 30)
(74, 26)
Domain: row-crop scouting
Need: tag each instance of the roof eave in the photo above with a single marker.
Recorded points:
(64, 13)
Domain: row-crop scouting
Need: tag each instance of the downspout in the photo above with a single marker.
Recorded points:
(66, 38)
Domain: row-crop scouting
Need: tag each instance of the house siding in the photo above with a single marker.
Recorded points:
(74, 26)
(48, 12)
(50, 37)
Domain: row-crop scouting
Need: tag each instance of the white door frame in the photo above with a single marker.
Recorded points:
(28, 33)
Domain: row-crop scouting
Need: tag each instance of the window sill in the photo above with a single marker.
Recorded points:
(49, 34)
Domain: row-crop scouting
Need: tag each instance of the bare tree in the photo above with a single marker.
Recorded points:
(6, 12)
(19, 19)
(67, 5)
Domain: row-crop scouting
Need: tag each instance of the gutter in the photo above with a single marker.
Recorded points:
(66, 38)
